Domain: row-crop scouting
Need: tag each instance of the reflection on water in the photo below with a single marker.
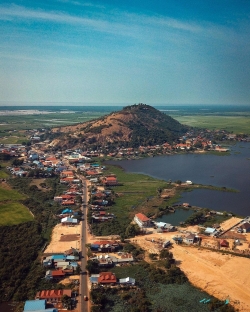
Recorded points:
(174, 218)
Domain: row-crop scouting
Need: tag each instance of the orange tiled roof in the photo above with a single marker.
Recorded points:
(142, 217)
(107, 277)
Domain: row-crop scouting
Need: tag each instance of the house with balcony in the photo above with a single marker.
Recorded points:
(142, 220)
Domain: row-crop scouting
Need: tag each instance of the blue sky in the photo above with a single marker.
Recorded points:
(125, 51)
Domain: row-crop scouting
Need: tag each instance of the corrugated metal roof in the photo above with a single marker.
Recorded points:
(34, 305)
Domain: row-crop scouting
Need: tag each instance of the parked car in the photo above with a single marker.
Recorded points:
(85, 298)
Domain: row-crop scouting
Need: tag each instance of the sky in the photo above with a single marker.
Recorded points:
(125, 51)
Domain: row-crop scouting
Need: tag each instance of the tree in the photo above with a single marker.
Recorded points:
(153, 256)
(93, 266)
(66, 302)
(165, 254)
(132, 230)
(17, 162)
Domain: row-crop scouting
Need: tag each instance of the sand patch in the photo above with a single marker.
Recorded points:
(63, 238)
(221, 275)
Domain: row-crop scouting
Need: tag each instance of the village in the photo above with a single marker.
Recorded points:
(206, 255)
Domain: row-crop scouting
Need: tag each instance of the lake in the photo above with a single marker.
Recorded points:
(229, 171)
(174, 218)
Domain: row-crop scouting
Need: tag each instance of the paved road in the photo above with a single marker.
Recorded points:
(84, 305)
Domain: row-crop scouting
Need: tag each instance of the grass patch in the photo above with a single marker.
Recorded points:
(162, 297)
(235, 124)
(11, 210)
(14, 213)
(3, 175)
(12, 195)
(138, 193)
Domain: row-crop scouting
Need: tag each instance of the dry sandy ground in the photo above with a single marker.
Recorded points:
(229, 223)
(57, 245)
(221, 275)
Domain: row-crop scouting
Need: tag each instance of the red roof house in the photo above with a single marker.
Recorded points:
(224, 243)
(142, 220)
(54, 295)
(107, 278)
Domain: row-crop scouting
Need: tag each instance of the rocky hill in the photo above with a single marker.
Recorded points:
(133, 126)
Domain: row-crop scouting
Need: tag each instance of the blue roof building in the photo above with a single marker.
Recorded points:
(34, 305)
(67, 210)
(57, 257)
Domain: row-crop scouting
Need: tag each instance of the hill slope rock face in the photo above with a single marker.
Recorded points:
(133, 126)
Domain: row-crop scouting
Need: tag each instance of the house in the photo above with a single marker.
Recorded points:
(71, 251)
(109, 181)
(37, 306)
(55, 274)
(166, 227)
(107, 278)
(224, 243)
(189, 238)
(69, 221)
(127, 281)
(94, 278)
(68, 202)
(104, 246)
(210, 231)
(65, 174)
(66, 180)
(245, 227)
(53, 296)
(142, 220)
(66, 211)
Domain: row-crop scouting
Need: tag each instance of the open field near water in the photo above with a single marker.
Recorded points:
(236, 124)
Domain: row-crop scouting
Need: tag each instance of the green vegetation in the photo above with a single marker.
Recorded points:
(203, 217)
(21, 273)
(38, 121)
(14, 213)
(235, 124)
(3, 174)
(137, 193)
(156, 290)
(150, 126)
(8, 194)
(18, 251)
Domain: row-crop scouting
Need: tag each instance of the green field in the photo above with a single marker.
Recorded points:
(26, 122)
(11, 210)
(135, 194)
(6, 194)
(14, 213)
(3, 175)
(11, 126)
(235, 124)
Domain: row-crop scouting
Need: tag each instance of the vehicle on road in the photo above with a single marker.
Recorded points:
(85, 298)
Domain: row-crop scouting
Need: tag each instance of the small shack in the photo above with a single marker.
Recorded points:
(224, 243)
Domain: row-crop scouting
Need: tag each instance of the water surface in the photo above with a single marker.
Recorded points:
(229, 171)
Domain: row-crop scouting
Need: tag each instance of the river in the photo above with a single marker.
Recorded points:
(229, 171)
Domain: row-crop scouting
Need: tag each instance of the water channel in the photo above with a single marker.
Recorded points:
(225, 171)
